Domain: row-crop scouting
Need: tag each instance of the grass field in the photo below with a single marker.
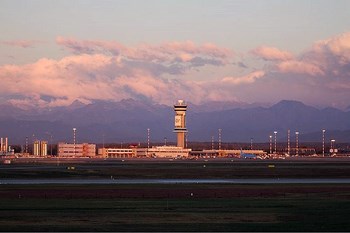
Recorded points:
(183, 208)
(178, 169)
(177, 207)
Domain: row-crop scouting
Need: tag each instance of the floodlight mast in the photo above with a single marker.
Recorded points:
(297, 143)
(323, 138)
(74, 140)
(275, 132)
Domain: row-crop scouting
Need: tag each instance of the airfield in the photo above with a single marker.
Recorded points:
(178, 206)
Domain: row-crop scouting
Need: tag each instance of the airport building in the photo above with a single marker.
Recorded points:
(164, 152)
(154, 152)
(40, 148)
(229, 153)
(5, 149)
(117, 152)
(76, 150)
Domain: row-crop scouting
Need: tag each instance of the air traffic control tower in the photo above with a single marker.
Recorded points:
(180, 122)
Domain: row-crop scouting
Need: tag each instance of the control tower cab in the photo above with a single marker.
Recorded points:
(180, 122)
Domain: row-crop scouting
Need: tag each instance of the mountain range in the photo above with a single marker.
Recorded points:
(128, 121)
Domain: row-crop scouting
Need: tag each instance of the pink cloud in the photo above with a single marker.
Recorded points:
(21, 43)
(109, 70)
(87, 77)
(272, 54)
(330, 52)
(246, 79)
(166, 52)
(299, 67)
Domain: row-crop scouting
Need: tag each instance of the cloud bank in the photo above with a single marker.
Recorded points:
(109, 70)
(21, 43)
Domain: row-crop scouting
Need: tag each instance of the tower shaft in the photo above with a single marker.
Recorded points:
(180, 122)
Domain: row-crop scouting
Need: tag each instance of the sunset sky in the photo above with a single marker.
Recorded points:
(55, 52)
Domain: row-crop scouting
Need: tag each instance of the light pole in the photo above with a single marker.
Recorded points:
(332, 147)
(275, 132)
(251, 143)
(212, 142)
(148, 131)
(220, 130)
(297, 143)
(74, 140)
(323, 137)
(288, 142)
(26, 145)
(270, 144)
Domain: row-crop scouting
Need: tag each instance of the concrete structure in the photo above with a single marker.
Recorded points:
(4, 145)
(227, 153)
(76, 150)
(117, 152)
(40, 148)
(180, 122)
(163, 152)
(5, 149)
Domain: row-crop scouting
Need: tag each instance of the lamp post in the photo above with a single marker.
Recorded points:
(220, 130)
(74, 140)
(288, 146)
(323, 137)
(270, 144)
(332, 147)
(275, 132)
(297, 143)
(148, 132)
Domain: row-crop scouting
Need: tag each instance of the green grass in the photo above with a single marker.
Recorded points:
(191, 214)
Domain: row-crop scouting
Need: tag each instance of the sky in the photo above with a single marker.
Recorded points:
(55, 52)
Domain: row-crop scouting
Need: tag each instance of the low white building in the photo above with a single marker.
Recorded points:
(117, 152)
(76, 150)
(165, 152)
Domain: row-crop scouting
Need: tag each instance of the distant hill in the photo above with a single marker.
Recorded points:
(128, 120)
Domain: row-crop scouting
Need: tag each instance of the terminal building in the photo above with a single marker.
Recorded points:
(163, 152)
(76, 150)
(228, 153)
(153, 152)
(117, 152)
